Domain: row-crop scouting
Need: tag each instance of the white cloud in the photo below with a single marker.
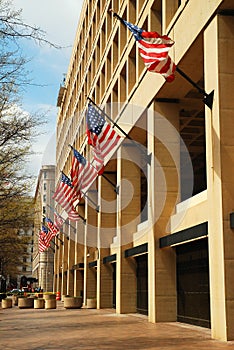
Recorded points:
(59, 18)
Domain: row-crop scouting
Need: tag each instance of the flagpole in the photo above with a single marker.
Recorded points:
(56, 245)
(116, 188)
(148, 156)
(207, 98)
(86, 196)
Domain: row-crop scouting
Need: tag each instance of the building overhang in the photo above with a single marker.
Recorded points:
(109, 259)
(135, 251)
(184, 236)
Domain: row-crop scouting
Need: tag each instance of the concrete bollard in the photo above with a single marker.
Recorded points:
(50, 303)
(91, 303)
(39, 303)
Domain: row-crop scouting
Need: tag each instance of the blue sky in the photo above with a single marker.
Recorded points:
(59, 19)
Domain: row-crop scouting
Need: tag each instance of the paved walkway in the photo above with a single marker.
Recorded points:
(33, 329)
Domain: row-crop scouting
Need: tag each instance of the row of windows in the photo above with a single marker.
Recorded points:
(106, 63)
(113, 50)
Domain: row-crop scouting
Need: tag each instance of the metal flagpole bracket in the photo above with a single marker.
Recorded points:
(208, 98)
(116, 189)
(97, 208)
(149, 158)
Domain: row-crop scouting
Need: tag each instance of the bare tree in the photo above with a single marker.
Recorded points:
(17, 129)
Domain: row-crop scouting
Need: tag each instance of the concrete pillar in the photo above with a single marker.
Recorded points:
(56, 272)
(107, 223)
(59, 264)
(79, 257)
(219, 73)
(64, 263)
(71, 260)
(79, 236)
(128, 204)
(164, 193)
(90, 252)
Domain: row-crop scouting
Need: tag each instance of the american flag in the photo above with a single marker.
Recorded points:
(48, 235)
(82, 173)
(43, 243)
(58, 220)
(154, 49)
(66, 196)
(52, 227)
(100, 134)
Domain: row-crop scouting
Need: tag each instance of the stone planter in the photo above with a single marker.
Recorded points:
(91, 303)
(15, 300)
(64, 296)
(6, 303)
(50, 303)
(39, 303)
(25, 303)
(49, 296)
(72, 302)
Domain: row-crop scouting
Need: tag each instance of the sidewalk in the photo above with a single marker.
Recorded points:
(36, 329)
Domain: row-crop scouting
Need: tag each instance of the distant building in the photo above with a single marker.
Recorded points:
(43, 263)
(24, 277)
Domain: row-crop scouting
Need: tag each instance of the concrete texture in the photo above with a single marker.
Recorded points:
(40, 329)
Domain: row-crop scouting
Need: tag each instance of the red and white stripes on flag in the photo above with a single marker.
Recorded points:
(101, 135)
(154, 49)
(53, 229)
(66, 196)
(82, 173)
(58, 220)
(43, 244)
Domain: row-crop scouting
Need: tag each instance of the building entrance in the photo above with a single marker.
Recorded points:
(142, 284)
(193, 294)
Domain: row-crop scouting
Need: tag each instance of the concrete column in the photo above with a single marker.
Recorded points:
(128, 219)
(79, 258)
(91, 251)
(85, 254)
(59, 264)
(56, 270)
(71, 261)
(164, 193)
(219, 73)
(107, 231)
(64, 264)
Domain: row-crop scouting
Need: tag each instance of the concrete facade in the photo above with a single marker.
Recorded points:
(166, 205)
